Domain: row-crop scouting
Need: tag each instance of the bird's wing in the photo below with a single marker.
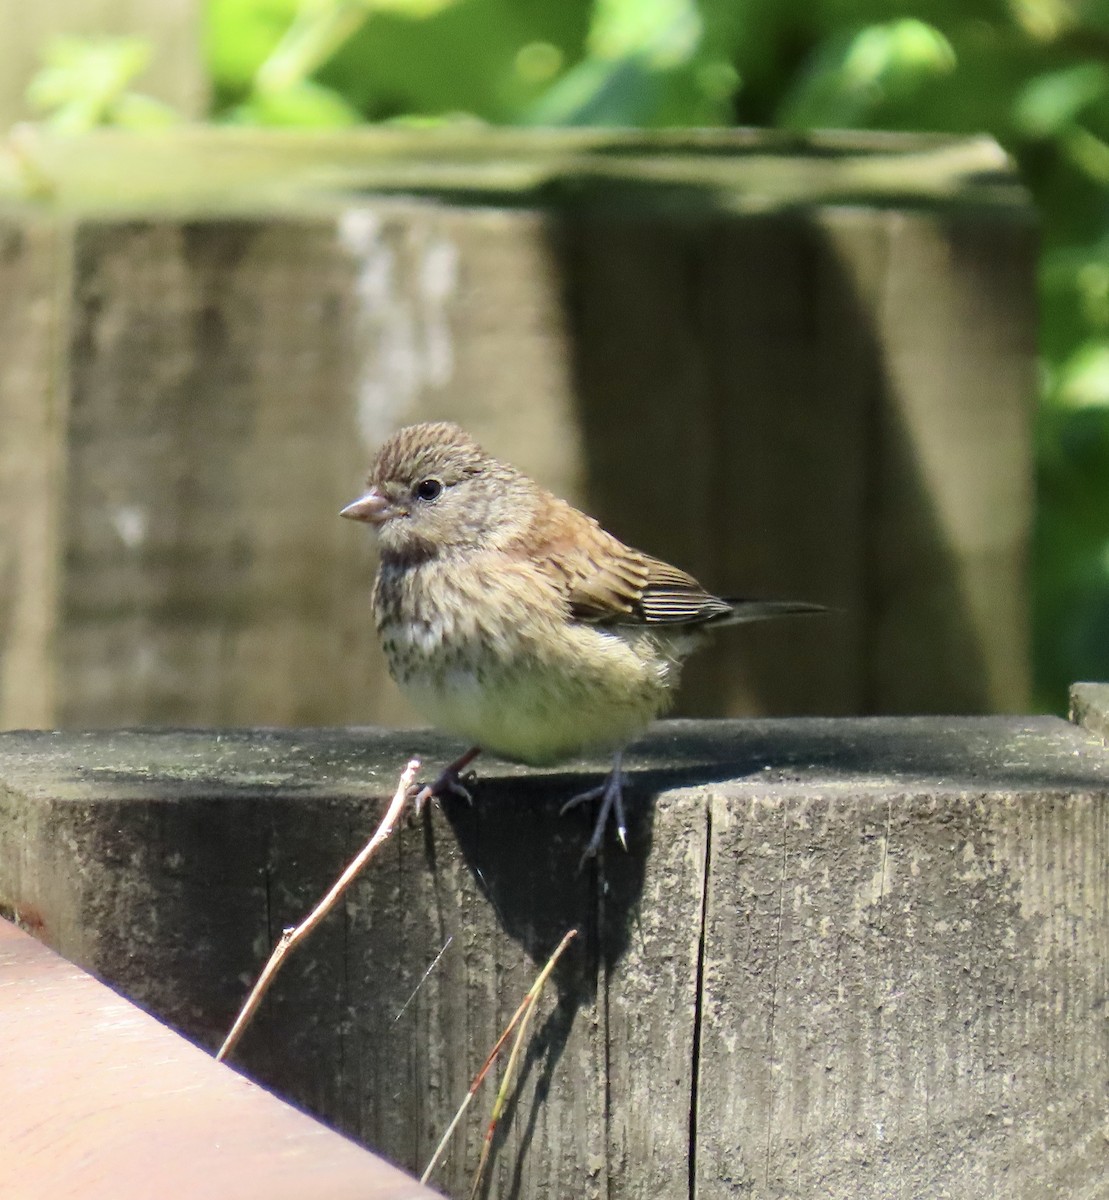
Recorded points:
(606, 582)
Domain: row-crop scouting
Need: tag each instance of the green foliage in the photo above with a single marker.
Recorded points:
(429, 59)
(854, 76)
(1050, 104)
(84, 83)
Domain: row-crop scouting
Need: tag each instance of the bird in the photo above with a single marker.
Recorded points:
(512, 619)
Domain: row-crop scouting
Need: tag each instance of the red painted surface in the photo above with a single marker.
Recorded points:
(102, 1102)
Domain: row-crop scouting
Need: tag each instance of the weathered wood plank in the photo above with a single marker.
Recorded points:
(33, 266)
(515, 863)
(652, 914)
(210, 446)
(643, 391)
(787, 308)
(891, 976)
(226, 402)
(841, 957)
(949, 539)
(241, 169)
(349, 1029)
(1089, 707)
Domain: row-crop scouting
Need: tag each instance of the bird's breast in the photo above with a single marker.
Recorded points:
(486, 660)
(432, 620)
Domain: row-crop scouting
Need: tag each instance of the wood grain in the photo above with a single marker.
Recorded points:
(33, 263)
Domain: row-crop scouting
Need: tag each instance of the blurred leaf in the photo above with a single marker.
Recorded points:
(852, 75)
(416, 10)
(600, 91)
(539, 62)
(142, 113)
(718, 79)
(665, 33)
(320, 28)
(1045, 20)
(84, 84)
(316, 33)
(646, 65)
(1093, 291)
(274, 45)
(413, 59)
(1083, 380)
(298, 105)
(239, 35)
(79, 68)
(1071, 611)
(1088, 152)
(1049, 103)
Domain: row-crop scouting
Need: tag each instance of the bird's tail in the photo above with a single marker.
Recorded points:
(764, 610)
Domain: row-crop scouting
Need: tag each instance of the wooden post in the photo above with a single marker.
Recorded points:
(797, 374)
(842, 957)
(33, 406)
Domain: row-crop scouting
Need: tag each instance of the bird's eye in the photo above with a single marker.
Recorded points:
(428, 489)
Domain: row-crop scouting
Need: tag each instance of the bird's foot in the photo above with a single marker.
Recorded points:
(611, 795)
(450, 782)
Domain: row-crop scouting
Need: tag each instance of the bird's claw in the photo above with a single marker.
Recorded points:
(611, 795)
(449, 783)
(458, 785)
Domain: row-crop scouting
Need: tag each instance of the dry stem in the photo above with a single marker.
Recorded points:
(296, 933)
(523, 1011)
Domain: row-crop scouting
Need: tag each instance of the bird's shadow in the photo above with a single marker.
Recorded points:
(525, 856)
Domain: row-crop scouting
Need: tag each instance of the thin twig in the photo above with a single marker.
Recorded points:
(294, 934)
(423, 978)
(478, 1080)
(522, 1011)
(514, 1059)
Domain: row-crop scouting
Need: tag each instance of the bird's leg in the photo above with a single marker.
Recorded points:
(449, 782)
(611, 795)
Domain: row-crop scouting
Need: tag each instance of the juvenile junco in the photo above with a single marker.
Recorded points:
(515, 621)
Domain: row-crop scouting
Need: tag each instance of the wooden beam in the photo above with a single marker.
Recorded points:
(104, 1102)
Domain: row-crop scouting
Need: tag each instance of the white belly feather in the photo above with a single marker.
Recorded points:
(597, 690)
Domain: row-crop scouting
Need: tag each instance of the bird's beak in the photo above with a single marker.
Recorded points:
(373, 507)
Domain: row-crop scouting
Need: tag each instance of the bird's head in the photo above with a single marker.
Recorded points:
(432, 488)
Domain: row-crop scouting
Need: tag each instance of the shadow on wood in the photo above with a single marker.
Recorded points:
(806, 398)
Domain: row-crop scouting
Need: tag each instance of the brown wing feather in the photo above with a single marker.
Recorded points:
(606, 582)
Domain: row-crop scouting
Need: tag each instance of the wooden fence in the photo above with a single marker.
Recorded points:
(843, 957)
(798, 367)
